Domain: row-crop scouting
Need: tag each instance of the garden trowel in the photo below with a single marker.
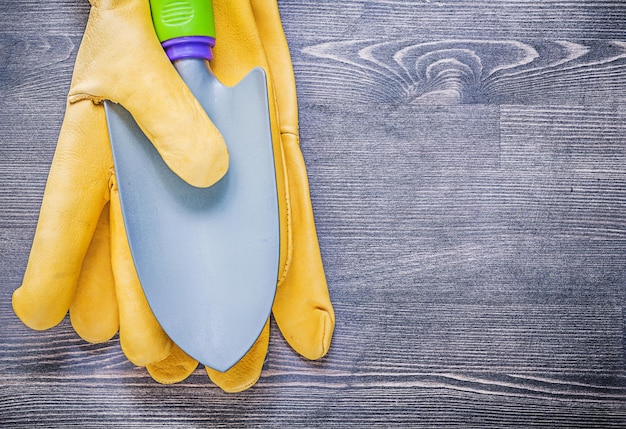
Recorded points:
(207, 258)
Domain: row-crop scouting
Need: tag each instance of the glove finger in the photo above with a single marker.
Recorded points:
(76, 191)
(142, 339)
(93, 312)
(179, 129)
(280, 67)
(122, 60)
(238, 48)
(247, 371)
(176, 367)
(302, 308)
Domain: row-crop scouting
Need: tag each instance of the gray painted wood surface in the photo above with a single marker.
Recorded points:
(467, 162)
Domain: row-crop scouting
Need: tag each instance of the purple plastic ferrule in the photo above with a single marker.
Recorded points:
(189, 47)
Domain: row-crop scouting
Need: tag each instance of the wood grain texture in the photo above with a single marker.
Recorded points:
(412, 71)
(467, 163)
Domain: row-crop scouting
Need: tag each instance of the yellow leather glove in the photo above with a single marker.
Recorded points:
(120, 59)
(302, 308)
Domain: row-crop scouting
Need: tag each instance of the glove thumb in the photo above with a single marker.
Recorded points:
(121, 59)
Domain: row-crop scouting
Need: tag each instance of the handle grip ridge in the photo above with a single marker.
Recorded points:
(186, 28)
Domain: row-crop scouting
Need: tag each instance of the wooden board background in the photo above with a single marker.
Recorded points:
(467, 162)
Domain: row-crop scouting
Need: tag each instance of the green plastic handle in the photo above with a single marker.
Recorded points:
(182, 18)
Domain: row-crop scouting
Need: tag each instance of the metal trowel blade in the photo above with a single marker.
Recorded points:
(207, 259)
